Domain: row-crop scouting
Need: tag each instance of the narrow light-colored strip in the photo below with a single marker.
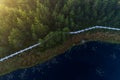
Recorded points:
(83, 30)
(95, 27)
(21, 51)
(75, 32)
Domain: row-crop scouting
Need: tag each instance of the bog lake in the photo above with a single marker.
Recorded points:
(93, 60)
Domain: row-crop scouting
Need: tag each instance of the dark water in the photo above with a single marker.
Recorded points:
(90, 61)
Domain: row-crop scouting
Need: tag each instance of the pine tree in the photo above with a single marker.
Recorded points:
(16, 38)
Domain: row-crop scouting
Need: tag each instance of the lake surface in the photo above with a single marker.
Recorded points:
(89, 61)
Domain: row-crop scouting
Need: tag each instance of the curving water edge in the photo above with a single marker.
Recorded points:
(75, 32)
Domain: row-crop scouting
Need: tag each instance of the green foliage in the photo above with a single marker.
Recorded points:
(38, 29)
(53, 39)
(16, 38)
(66, 29)
(24, 22)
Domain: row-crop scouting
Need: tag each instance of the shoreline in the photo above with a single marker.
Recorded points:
(71, 33)
(29, 59)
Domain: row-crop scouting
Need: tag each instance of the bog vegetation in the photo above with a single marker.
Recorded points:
(25, 22)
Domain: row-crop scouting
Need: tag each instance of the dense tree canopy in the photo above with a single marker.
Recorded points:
(24, 22)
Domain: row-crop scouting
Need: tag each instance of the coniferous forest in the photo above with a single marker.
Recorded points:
(26, 22)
